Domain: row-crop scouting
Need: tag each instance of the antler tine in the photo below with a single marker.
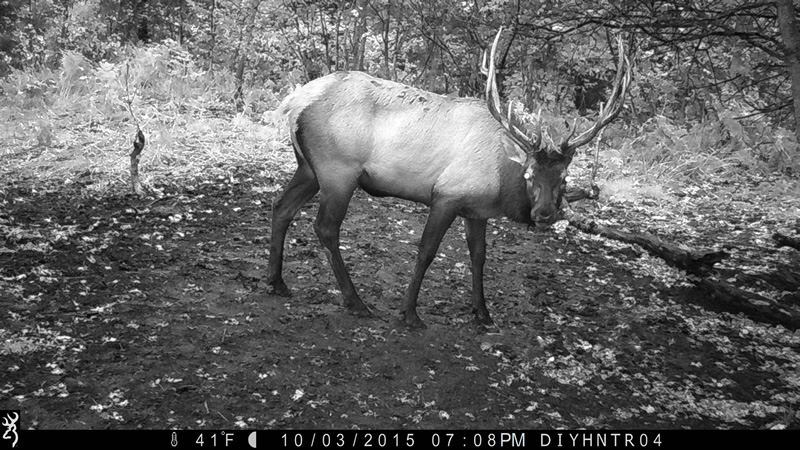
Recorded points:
(612, 107)
(538, 142)
(493, 97)
(574, 127)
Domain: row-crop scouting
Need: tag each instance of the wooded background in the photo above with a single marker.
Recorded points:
(717, 76)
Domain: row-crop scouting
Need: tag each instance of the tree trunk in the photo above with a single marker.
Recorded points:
(359, 28)
(238, 95)
(326, 40)
(246, 20)
(136, 155)
(791, 42)
(180, 21)
(336, 53)
(64, 26)
(213, 36)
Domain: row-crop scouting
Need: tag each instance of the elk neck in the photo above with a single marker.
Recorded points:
(516, 204)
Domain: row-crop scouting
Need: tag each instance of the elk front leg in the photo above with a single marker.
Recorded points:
(439, 220)
(476, 241)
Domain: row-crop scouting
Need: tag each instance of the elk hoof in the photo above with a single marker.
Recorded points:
(280, 288)
(413, 321)
(482, 317)
(484, 320)
(361, 311)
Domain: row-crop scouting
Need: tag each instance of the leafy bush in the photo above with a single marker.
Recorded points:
(665, 149)
(78, 119)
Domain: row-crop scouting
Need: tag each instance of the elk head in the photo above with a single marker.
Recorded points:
(545, 166)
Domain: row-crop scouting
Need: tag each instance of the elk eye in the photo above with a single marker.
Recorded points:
(527, 175)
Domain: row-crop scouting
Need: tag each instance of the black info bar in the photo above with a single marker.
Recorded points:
(394, 439)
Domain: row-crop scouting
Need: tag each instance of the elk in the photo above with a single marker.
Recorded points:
(460, 157)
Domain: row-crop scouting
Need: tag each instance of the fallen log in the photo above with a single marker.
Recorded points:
(755, 306)
(698, 264)
(574, 194)
(681, 257)
(781, 240)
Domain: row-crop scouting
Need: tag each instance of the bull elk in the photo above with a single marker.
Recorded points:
(460, 157)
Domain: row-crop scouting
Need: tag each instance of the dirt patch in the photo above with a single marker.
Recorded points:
(119, 313)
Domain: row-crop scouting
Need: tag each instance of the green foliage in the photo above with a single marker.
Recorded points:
(77, 119)
(87, 35)
(664, 148)
(167, 72)
(684, 115)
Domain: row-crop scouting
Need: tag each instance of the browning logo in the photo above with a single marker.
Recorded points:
(10, 419)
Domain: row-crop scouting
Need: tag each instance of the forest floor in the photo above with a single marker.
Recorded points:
(126, 312)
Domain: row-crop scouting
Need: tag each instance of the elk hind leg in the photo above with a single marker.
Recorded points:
(298, 192)
(335, 198)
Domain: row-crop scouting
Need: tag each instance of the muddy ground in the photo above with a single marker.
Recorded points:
(120, 312)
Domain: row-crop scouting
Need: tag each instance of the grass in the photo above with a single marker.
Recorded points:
(77, 122)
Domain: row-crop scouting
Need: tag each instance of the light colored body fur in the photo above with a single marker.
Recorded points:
(384, 134)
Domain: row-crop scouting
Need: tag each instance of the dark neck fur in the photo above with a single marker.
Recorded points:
(514, 196)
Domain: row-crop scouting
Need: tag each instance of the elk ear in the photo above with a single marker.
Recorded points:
(515, 153)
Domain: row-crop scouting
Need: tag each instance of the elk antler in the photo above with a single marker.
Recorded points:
(607, 113)
(493, 101)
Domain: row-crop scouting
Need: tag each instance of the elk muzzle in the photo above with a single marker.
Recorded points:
(543, 218)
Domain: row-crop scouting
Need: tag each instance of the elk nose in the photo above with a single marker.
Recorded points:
(544, 217)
